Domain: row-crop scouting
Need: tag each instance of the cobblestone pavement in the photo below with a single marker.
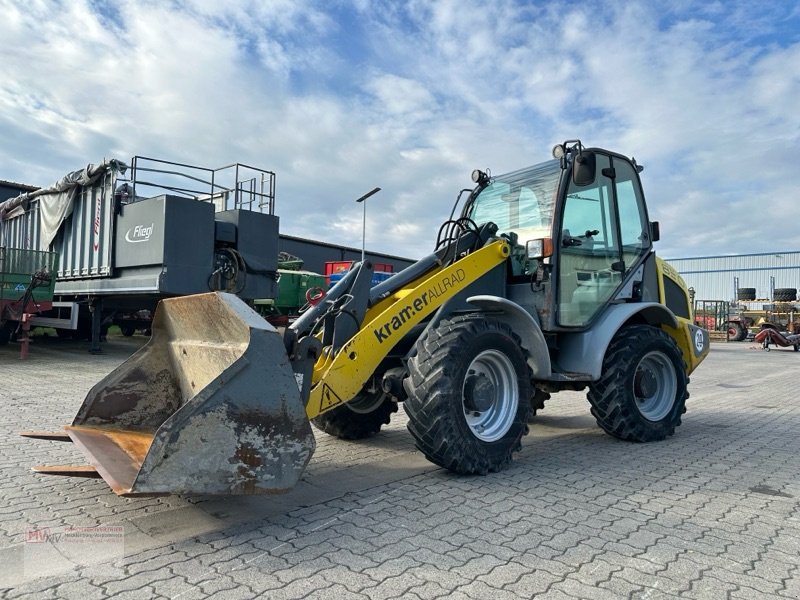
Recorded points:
(710, 513)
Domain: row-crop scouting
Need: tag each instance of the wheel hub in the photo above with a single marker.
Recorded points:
(654, 386)
(479, 392)
(645, 384)
(490, 395)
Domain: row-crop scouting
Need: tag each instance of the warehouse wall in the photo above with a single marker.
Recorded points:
(315, 254)
(9, 189)
(712, 277)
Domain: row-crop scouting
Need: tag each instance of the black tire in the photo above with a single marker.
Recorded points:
(537, 402)
(642, 393)
(65, 334)
(83, 332)
(6, 328)
(360, 418)
(127, 330)
(746, 294)
(736, 332)
(476, 365)
(785, 294)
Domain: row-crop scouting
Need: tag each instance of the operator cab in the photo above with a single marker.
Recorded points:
(578, 221)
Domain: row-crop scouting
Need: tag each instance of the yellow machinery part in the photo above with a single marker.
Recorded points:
(684, 337)
(683, 334)
(338, 378)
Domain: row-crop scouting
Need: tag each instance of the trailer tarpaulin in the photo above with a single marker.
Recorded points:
(56, 201)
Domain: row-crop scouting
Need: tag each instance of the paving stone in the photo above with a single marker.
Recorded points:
(533, 583)
(480, 589)
(620, 588)
(577, 589)
(392, 587)
(578, 515)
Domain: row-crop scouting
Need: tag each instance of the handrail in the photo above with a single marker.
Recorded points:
(248, 187)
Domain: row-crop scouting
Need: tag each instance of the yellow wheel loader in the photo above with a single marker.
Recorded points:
(547, 281)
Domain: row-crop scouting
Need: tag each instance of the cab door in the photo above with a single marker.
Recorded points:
(603, 237)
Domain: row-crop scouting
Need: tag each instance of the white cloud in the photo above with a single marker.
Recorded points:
(341, 98)
(399, 96)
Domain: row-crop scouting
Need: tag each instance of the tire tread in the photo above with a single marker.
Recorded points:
(618, 417)
(430, 386)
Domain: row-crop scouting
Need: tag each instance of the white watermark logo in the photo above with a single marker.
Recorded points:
(49, 551)
(140, 233)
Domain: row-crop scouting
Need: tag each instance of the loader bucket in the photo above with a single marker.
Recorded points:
(209, 406)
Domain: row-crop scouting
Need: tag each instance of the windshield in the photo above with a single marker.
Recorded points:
(521, 201)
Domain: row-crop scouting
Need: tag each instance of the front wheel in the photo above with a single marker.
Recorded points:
(469, 390)
(360, 418)
(641, 393)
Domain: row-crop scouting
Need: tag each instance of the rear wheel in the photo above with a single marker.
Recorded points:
(360, 418)
(736, 332)
(641, 394)
(537, 401)
(469, 391)
(127, 329)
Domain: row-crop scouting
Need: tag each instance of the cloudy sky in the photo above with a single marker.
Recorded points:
(338, 97)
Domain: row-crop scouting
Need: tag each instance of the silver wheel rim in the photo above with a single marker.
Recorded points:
(655, 384)
(365, 404)
(493, 423)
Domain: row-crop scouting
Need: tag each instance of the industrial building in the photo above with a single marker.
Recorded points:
(718, 277)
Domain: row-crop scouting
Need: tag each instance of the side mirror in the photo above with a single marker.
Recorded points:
(583, 168)
(655, 231)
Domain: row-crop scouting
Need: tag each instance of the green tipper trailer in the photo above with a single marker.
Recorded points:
(27, 280)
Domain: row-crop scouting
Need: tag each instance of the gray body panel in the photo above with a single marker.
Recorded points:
(583, 351)
(524, 325)
(85, 241)
(257, 241)
(168, 238)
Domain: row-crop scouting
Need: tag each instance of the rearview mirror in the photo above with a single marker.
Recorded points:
(583, 168)
(655, 231)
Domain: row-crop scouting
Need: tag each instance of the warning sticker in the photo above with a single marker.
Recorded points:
(329, 398)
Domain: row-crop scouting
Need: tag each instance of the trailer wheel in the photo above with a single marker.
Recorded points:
(736, 332)
(6, 328)
(642, 393)
(360, 418)
(469, 390)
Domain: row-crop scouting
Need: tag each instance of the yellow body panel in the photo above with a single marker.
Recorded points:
(683, 335)
(338, 378)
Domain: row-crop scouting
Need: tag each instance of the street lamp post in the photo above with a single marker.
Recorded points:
(364, 221)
